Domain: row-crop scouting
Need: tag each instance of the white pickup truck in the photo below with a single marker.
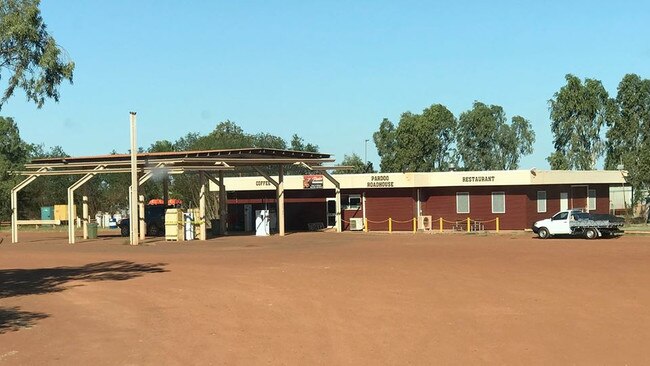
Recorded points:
(578, 223)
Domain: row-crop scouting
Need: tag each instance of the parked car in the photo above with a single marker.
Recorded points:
(578, 223)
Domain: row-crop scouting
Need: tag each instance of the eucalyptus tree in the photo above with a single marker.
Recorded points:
(357, 164)
(420, 142)
(384, 139)
(578, 111)
(628, 136)
(485, 141)
(14, 152)
(30, 58)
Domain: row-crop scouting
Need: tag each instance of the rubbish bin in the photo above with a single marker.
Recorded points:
(216, 227)
(92, 230)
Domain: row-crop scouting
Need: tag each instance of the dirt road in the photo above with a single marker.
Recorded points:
(326, 298)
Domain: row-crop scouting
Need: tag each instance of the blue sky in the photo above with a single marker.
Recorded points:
(328, 71)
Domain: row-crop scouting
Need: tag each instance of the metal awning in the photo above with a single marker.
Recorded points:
(202, 162)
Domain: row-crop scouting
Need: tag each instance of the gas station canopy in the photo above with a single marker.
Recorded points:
(202, 162)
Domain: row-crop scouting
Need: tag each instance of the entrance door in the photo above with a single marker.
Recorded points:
(579, 197)
(331, 212)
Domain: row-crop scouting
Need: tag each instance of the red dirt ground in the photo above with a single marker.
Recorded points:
(326, 298)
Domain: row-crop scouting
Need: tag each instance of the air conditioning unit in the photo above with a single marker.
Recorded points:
(356, 224)
(424, 223)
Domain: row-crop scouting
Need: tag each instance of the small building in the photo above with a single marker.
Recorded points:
(517, 197)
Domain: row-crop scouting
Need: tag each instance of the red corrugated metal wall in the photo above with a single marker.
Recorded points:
(441, 202)
(305, 206)
(553, 201)
(397, 203)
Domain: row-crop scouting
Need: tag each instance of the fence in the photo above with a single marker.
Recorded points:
(466, 225)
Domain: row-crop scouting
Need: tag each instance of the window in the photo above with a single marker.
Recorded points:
(498, 202)
(354, 202)
(462, 202)
(541, 201)
(591, 204)
(560, 216)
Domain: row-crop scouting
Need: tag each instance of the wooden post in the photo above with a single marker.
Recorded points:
(201, 218)
(339, 222)
(497, 224)
(85, 216)
(223, 205)
(468, 224)
(441, 224)
(280, 200)
(415, 223)
(141, 224)
(133, 221)
(390, 225)
(365, 224)
(14, 216)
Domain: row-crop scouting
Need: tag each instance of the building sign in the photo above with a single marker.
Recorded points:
(380, 181)
(312, 181)
(260, 183)
(478, 179)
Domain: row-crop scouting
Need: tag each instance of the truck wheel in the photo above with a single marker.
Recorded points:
(543, 233)
(591, 234)
(124, 231)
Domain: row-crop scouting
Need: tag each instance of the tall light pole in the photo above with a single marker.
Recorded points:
(134, 220)
(365, 154)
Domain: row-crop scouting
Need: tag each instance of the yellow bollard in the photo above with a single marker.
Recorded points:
(415, 225)
(497, 224)
(441, 224)
(390, 225)
(468, 224)
(365, 224)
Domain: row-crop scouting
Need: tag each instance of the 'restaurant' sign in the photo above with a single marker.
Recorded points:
(312, 181)
(478, 179)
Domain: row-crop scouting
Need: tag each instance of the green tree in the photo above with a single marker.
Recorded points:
(161, 146)
(267, 140)
(30, 58)
(46, 190)
(485, 141)
(424, 140)
(357, 163)
(386, 144)
(298, 144)
(420, 143)
(578, 113)
(14, 153)
(628, 136)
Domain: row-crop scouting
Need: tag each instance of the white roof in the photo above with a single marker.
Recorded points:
(436, 179)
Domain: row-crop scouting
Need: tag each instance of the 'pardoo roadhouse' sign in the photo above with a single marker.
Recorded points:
(380, 181)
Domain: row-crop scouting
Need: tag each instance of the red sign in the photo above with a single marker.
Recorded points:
(312, 181)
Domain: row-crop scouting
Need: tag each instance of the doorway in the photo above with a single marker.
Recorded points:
(331, 212)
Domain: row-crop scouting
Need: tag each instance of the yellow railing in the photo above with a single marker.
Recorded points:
(467, 225)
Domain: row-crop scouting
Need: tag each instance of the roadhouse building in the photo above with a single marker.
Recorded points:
(518, 198)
